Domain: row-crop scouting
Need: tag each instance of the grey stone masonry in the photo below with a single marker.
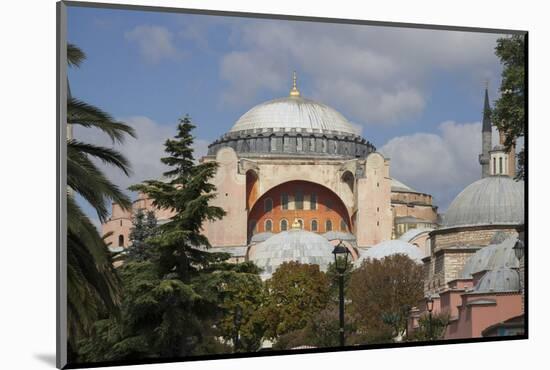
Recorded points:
(295, 142)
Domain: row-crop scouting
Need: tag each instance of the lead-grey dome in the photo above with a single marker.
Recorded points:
(498, 280)
(492, 257)
(294, 112)
(493, 200)
(391, 247)
(293, 245)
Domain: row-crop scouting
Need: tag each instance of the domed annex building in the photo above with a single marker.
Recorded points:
(294, 160)
(472, 272)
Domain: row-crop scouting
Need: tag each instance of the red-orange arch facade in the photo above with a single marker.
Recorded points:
(305, 201)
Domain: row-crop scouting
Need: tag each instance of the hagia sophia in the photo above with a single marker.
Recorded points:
(295, 175)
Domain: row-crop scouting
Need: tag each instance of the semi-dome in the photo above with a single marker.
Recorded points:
(293, 245)
(294, 112)
(499, 280)
(398, 186)
(493, 200)
(492, 257)
(391, 247)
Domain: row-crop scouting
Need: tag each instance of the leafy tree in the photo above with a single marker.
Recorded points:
(379, 291)
(431, 330)
(239, 294)
(144, 227)
(92, 284)
(295, 293)
(509, 111)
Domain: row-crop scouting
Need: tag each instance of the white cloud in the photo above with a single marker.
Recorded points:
(375, 74)
(144, 153)
(439, 164)
(155, 43)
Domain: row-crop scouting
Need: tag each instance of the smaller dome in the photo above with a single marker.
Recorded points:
(413, 233)
(260, 237)
(493, 200)
(293, 245)
(499, 280)
(339, 235)
(391, 247)
(491, 257)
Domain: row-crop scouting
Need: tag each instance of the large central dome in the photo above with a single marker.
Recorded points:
(294, 112)
(293, 126)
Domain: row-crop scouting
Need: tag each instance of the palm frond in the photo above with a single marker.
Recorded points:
(75, 55)
(86, 179)
(86, 115)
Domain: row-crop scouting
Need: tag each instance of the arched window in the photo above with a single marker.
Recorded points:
(301, 222)
(299, 145)
(121, 240)
(313, 225)
(299, 200)
(343, 225)
(268, 205)
(494, 166)
(268, 226)
(286, 143)
(328, 226)
(273, 143)
(313, 201)
(284, 201)
(500, 165)
(284, 225)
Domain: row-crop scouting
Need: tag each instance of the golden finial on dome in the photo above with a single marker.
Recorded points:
(294, 91)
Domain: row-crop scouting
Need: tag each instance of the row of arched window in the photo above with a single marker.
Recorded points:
(314, 225)
(298, 201)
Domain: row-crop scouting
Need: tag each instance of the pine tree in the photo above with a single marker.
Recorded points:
(144, 227)
(180, 243)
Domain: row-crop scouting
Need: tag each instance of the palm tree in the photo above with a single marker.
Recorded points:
(92, 283)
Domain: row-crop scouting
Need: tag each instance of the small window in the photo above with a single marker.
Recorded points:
(299, 200)
(273, 143)
(284, 225)
(284, 201)
(343, 226)
(120, 222)
(301, 223)
(299, 143)
(268, 205)
(500, 165)
(268, 226)
(311, 144)
(121, 240)
(328, 225)
(494, 166)
(313, 225)
(313, 201)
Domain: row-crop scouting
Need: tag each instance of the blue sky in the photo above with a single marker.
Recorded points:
(416, 94)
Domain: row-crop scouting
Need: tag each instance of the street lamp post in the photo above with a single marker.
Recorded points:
(237, 321)
(430, 307)
(341, 255)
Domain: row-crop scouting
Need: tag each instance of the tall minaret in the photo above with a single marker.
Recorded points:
(486, 136)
